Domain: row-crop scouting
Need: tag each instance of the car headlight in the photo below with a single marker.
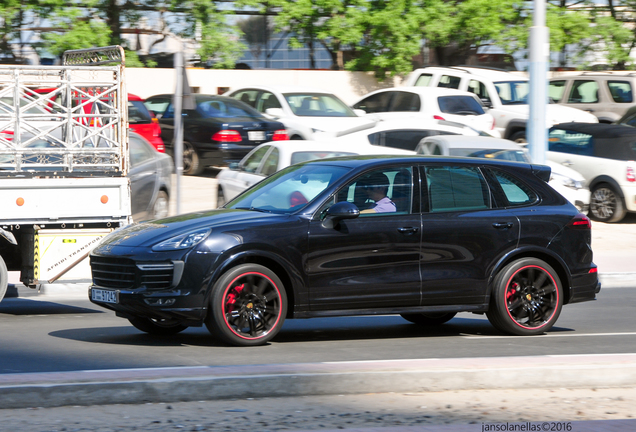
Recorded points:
(183, 241)
(567, 181)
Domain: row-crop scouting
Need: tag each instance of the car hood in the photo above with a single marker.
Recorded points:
(333, 125)
(556, 114)
(150, 233)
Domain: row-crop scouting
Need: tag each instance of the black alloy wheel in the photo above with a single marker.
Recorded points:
(158, 327)
(429, 318)
(248, 306)
(606, 205)
(191, 161)
(527, 298)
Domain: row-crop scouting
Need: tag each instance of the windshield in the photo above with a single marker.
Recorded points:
(289, 190)
(318, 105)
(513, 92)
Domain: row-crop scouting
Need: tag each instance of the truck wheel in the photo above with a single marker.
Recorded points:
(4, 278)
(161, 206)
(606, 205)
(519, 137)
(157, 327)
(191, 161)
(247, 306)
(526, 298)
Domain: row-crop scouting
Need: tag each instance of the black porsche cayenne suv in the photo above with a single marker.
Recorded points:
(462, 235)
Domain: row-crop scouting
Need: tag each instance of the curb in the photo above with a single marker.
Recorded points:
(135, 386)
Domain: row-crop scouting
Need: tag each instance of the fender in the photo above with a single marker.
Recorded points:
(524, 252)
(514, 126)
(610, 181)
(238, 256)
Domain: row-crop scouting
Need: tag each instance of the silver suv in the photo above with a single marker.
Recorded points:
(606, 95)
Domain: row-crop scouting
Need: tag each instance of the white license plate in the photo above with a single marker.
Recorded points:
(256, 135)
(104, 296)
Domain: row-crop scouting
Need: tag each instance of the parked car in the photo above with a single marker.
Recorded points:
(404, 133)
(605, 155)
(466, 235)
(268, 158)
(564, 180)
(150, 179)
(629, 118)
(427, 103)
(303, 110)
(220, 130)
(504, 93)
(144, 122)
(606, 95)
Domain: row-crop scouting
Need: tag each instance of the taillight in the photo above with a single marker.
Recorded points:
(227, 136)
(436, 117)
(580, 221)
(630, 175)
(160, 148)
(280, 135)
(7, 134)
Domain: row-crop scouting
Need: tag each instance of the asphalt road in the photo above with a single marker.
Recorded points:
(44, 334)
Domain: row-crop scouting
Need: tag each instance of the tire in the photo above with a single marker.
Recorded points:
(4, 279)
(161, 207)
(526, 299)
(429, 319)
(606, 205)
(519, 137)
(157, 327)
(248, 305)
(191, 161)
(220, 197)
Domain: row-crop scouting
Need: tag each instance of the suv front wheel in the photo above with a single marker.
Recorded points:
(606, 205)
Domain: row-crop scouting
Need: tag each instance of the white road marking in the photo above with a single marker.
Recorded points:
(551, 335)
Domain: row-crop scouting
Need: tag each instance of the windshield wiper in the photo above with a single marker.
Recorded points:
(254, 209)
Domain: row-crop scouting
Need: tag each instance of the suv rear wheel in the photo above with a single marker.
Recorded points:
(606, 205)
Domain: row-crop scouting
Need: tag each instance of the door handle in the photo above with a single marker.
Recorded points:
(567, 163)
(503, 225)
(408, 230)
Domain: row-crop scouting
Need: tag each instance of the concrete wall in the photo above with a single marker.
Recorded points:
(349, 86)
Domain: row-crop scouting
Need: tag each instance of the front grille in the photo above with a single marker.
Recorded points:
(122, 273)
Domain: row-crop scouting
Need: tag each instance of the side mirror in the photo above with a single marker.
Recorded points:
(234, 166)
(487, 103)
(359, 112)
(275, 112)
(338, 212)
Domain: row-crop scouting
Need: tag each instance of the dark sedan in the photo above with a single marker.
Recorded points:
(448, 235)
(219, 131)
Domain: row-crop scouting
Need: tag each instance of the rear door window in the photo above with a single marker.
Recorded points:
(583, 92)
(456, 188)
(448, 81)
(424, 80)
(621, 91)
(405, 101)
(378, 102)
(555, 89)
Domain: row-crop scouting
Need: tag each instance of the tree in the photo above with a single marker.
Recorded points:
(255, 31)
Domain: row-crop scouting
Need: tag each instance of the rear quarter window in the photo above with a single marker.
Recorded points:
(460, 105)
(516, 192)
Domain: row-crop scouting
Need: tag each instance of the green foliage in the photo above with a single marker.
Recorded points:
(75, 32)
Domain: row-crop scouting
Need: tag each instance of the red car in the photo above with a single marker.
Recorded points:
(144, 122)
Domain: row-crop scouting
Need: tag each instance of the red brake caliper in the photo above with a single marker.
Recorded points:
(511, 291)
(231, 297)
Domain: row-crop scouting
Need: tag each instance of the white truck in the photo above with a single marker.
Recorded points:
(63, 163)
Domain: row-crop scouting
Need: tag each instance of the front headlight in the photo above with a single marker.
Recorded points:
(567, 181)
(183, 241)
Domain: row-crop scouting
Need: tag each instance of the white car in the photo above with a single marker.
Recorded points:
(566, 181)
(303, 110)
(405, 133)
(273, 156)
(504, 93)
(430, 103)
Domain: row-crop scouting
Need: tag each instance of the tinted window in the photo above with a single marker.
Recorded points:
(460, 105)
(479, 89)
(140, 152)
(621, 91)
(403, 139)
(583, 92)
(317, 105)
(404, 101)
(157, 106)
(564, 141)
(225, 109)
(378, 102)
(452, 188)
(448, 81)
(555, 89)
(246, 96)
(138, 113)
(516, 192)
(423, 80)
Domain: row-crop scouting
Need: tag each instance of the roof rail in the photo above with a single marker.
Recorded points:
(481, 67)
